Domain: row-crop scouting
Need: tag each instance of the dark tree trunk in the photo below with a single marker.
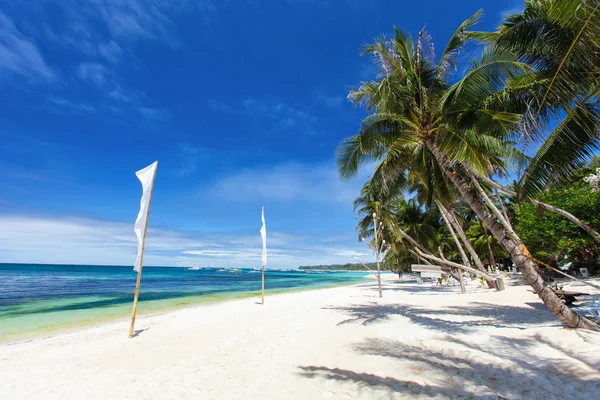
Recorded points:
(517, 251)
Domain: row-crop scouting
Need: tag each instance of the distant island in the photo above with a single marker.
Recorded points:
(341, 267)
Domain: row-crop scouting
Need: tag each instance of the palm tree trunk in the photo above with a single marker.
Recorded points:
(501, 203)
(454, 222)
(489, 245)
(461, 251)
(548, 207)
(517, 251)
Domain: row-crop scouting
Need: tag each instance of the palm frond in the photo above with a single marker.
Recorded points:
(573, 141)
(449, 58)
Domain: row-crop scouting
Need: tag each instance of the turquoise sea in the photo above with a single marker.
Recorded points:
(37, 299)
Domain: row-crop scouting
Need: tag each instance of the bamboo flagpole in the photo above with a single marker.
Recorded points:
(263, 233)
(146, 177)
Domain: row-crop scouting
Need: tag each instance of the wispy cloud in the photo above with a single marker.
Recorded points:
(191, 156)
(289, 182)
(273, 116)
(220, 106)
(329, 101)
(281, 116)
(111, 51)
(155, 114)
(44, 239)
(62, 105)
(93, 72)
(145, 18)
(20, 54)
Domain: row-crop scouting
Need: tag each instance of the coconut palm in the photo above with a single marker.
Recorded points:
(417, 113)
(559, 39)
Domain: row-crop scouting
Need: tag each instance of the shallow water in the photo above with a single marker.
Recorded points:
(44, 298)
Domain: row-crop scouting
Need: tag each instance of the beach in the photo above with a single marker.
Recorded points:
(336, 343)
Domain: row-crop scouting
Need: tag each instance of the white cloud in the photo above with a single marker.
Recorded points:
(111, 51)
(77, 108)
(283, 117)
(155, 114)
(93, 72)
(290, 182)
(191, 156)
(70, 240)
(19, 54)
(329, 101)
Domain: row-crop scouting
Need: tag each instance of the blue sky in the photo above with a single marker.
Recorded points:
(242, 102)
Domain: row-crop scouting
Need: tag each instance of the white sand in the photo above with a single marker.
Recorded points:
(341, 343)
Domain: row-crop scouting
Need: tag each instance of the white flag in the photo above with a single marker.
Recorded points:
(146, 176)
(263, 233)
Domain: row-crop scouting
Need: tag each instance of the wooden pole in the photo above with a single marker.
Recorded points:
(462, 283)
(263, 285)
(377, 253)
(139, 276)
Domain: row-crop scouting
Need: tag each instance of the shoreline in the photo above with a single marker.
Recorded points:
(418, 341)
(162, 307)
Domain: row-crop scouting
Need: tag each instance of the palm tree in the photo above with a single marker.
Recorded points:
(559, 40)
(422, 225)
(417, 113)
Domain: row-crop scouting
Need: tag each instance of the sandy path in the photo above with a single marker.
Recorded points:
(338, 343)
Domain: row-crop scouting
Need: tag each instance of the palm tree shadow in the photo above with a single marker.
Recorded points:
(397, 386)
(476, 315)
(502, 368)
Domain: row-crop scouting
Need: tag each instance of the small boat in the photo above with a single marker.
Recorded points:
(221, 270)
(235, 271)
(197, 267)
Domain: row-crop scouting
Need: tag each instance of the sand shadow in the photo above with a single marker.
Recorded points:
(138, 332)
(476, 315)
(393, 385)
(502, 368)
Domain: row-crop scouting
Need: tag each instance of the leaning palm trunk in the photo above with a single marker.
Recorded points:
(517, 251)
(461, 251)
(454, 222)
(489, 245)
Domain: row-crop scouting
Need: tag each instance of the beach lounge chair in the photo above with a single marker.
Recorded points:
(591, 309)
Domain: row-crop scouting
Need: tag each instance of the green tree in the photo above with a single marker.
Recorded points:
(559, 40)
(417, 113)
(550, 237)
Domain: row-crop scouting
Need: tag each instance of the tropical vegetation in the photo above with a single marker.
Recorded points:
(445, 139)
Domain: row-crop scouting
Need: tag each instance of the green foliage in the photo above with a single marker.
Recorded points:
(479, 239)
(558, 39)
(550, 237)
(595, 163)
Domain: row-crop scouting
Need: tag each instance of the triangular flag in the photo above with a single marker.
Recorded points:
(263, 233)
(146, 177)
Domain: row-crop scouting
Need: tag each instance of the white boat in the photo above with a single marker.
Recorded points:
(221, 270)
(235, 271)
(196, 268)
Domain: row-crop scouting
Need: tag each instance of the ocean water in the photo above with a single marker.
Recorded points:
(37, 299)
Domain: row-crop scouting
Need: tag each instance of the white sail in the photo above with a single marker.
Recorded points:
(263, 233)
(146, 177)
